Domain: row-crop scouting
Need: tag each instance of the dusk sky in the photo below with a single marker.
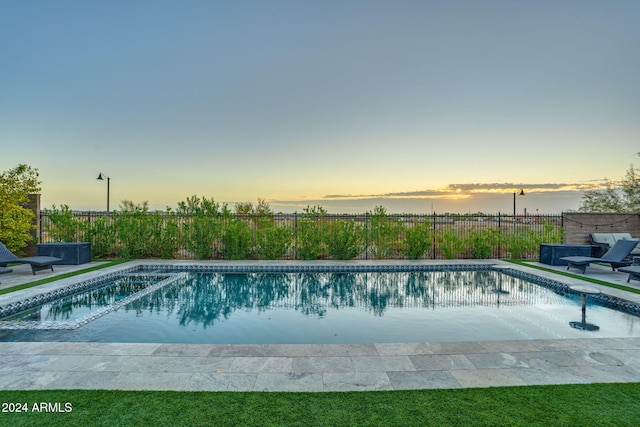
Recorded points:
(446, 106)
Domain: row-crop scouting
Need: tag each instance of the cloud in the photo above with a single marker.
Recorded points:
(508, 187)
(492, 202)
(423, 193)
(469, 190)
(469, 197)
(504, 187)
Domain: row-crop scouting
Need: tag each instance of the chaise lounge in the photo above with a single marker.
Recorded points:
(615, 256)
(4, 270)
(36, 262)
(634, 272)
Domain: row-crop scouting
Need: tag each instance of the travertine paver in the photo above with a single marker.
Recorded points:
(496, 360)
(221, 382)
(322, 364)
(544, 373)
(422, 380)
(487, 377)
(349, 350)
(440, 362)
(28, 380)
(358, 381)
(289, 382)
(316, 367)
(261, 364)
(382, 363)
(607, 373)
(630, 357)
(291, 368)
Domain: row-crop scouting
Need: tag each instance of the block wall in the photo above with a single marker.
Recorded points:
(578, 225)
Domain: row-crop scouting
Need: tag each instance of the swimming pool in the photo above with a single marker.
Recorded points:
(312, 304)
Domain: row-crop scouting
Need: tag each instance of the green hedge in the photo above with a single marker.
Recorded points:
(203, 229)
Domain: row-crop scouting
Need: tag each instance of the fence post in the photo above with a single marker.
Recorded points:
(295, 235)
(433, 245)
(41, 225)
(366, 235)
(500, 240)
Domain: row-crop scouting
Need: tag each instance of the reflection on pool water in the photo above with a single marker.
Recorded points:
(78, 306)
(318, 307)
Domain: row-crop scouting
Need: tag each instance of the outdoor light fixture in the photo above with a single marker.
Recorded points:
(521, 193)
(101, 177)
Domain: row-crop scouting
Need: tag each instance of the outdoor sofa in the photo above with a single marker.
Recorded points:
(606, 241)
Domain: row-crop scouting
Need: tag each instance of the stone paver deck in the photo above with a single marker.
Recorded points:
(321, 367)
(30, 366)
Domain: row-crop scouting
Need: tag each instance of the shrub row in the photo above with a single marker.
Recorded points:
(203, 229)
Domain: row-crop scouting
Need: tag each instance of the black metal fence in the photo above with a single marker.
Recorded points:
(304, 235)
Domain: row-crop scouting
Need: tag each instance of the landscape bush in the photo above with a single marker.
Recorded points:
(418, 240)
(311, 233)
(450, 243)
(274, 242)
(384, 234)
(345, 239)
(203, 229)
(64, 225)
(201, 225)
(481, 242)
(236, 239)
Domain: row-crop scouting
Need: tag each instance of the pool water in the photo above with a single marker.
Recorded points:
(78, 306)
(312, 308)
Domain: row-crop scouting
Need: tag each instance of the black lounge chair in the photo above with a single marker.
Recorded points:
(36, 262)
(634, 272)
(615, 256)
(4, 270)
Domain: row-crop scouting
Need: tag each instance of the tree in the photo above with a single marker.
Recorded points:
(623, 197)
(262, 208)
(15, 220)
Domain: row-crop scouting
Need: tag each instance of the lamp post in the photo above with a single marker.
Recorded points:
(521, 193)
(101, 177)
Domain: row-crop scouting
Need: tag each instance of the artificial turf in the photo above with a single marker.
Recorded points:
(561, 405)
(61, 276)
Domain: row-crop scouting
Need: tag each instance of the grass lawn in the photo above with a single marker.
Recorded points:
(39, 282)
(576, 276)
(568, 405)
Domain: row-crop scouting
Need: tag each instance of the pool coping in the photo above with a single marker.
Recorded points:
(322, 367)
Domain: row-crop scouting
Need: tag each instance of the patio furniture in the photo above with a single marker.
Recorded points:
(36, 262)
(584, 291)
(4, 270)
(71, 253)
(606, 241)
(615, 256)
(633, 270)
(551, 253)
